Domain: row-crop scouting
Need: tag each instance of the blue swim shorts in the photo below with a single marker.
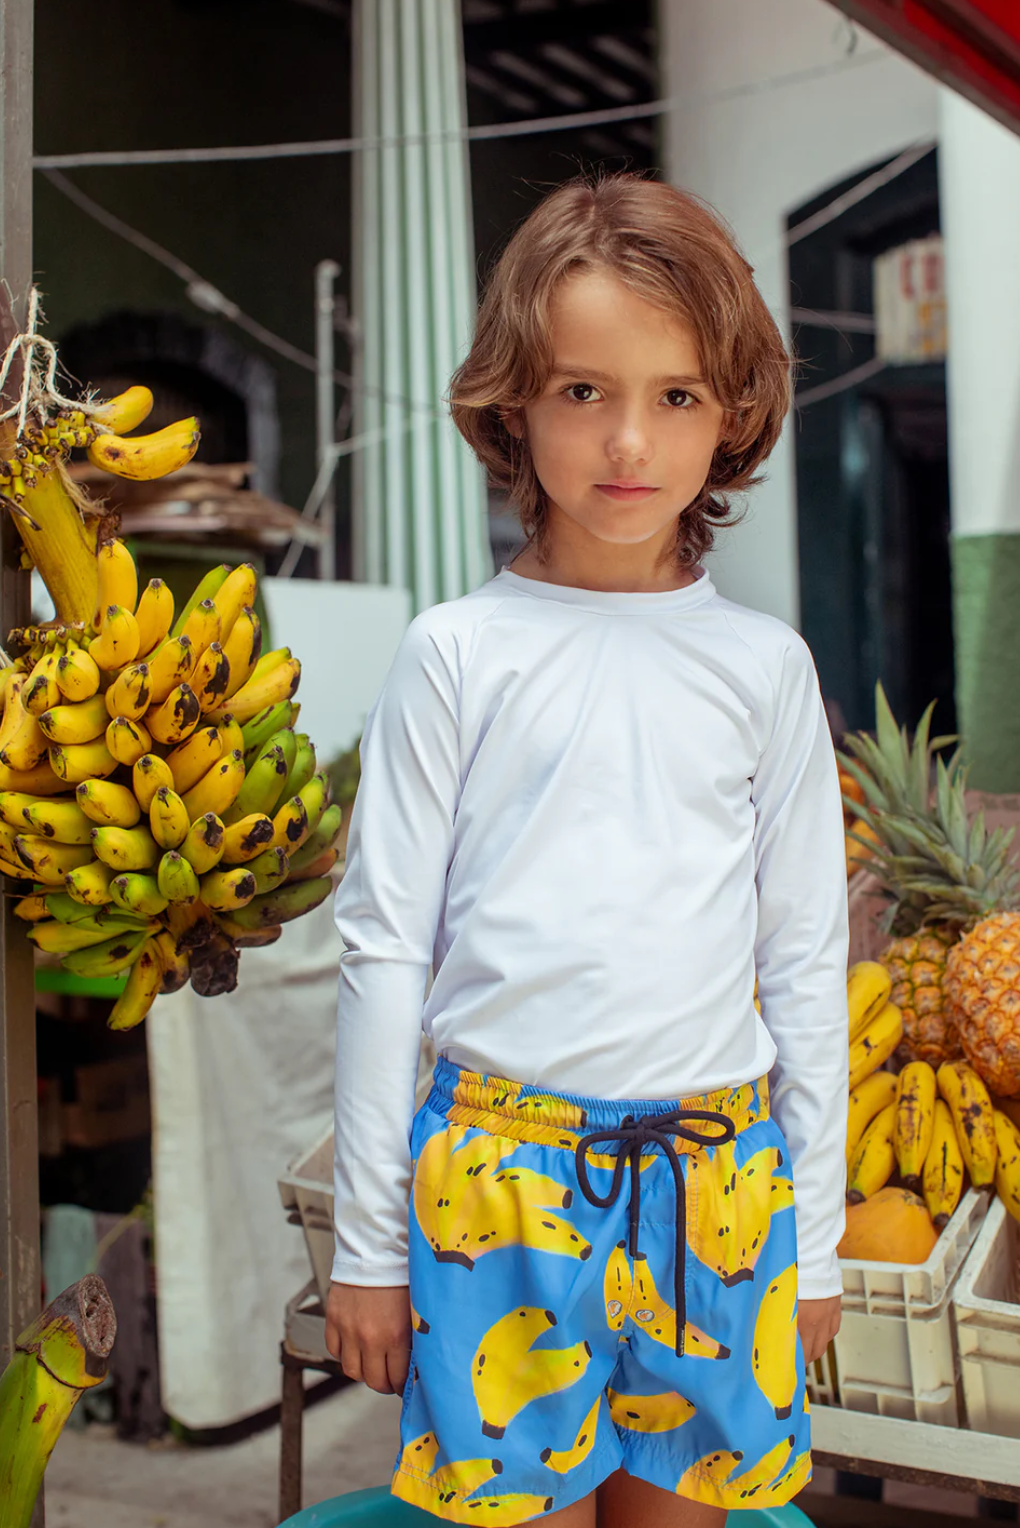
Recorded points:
(597, 1285)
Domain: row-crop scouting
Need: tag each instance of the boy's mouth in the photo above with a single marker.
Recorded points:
(626, 490)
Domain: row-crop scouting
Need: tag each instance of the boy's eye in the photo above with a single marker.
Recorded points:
(588, 388)
(575, 387)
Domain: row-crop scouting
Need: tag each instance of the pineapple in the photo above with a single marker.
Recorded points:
(955, 959)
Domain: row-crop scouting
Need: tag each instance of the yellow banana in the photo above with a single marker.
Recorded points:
(872, 1163)
(243, 840)
(203, 847)
(289, 901)
(168, 819)
(144, 457)
(125, 412)
(177, 879)
(218, 787)
(137, 892)
(90, 884)
(775, 1342)
(874, 1093)
(916, 1091)
(148, 774)
(211, 676)
(24, 742)
(508, 1372)
(108, 805)
(83, 761)
(49, 862)
(973, 1116)
(125, 848)
(326, 835)
(242, 649)
(75, 723)
(13, 710)
(154, 615)
(175, 962)
(290, 826)
(117, 579)
(141, 988)
(130, 694)
(42, 691)
(109, 958)
(60, 1355)
(63, 821)
(1007, 1166)
(176, 718)
(263, 690)
(77, 675)
(128, 741)
(117, 642)
(202, 626)
(31, 909)
(168, 666)
(236, 591)
(231, 736)
(13, 806)
(189, 760)
(875, 1044)
(225, 890)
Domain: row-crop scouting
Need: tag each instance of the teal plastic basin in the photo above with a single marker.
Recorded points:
(378, 1509)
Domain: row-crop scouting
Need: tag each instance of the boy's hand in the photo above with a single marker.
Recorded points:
(818, 1323)
(369, 1332)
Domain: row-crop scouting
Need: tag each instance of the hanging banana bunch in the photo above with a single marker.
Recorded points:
(152, 784)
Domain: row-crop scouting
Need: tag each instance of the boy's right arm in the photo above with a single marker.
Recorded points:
(387, 911)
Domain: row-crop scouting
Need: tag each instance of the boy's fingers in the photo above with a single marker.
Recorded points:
(373, 1369)
(398, 1363)
(350, 1360)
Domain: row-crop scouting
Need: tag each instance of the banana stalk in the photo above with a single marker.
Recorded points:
(64, 546)
(62, 1353)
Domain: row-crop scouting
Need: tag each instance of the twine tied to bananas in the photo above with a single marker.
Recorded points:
(39, 393)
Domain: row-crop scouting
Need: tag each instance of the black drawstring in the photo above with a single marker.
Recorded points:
(632, 1135)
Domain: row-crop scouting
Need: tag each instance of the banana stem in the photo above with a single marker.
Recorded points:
(62, 1353)
(64, 547)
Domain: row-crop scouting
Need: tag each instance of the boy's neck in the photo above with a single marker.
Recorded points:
(611, 569)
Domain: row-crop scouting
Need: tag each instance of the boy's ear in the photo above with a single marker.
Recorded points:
(513, 421)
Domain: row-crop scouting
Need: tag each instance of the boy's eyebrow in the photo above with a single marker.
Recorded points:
(602, 376)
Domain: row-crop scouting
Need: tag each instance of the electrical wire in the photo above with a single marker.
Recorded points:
(564, 122)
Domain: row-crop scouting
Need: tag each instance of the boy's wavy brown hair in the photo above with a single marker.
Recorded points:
(675, 251)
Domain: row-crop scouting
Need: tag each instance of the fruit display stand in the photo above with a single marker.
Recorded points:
(986, 1308)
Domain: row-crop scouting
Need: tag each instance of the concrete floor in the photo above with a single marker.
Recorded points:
(350, 1439)
(96, 1481)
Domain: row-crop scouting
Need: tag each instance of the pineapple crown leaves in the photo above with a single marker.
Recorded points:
(935, 865)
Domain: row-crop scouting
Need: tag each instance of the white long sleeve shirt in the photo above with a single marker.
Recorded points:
(597, 816)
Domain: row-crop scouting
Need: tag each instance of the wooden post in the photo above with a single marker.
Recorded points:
(19, 1158)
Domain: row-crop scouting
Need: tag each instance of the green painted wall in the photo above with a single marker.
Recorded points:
(986, 599)
(172, 73)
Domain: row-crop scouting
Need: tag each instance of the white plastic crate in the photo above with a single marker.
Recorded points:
(986, 1304)
(306, 1191)
(895, 1354)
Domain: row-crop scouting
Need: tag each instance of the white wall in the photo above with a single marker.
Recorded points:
(757, 156)
(345, 635)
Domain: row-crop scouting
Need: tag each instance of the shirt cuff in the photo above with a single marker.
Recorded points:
(820, 1285)
(368, 1275)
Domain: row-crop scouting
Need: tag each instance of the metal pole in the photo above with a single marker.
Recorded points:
(19, 1148)
(326, 273)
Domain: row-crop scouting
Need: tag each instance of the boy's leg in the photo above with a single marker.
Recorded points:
(624, 1501)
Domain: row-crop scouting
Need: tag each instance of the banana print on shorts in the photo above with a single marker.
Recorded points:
(714, 1481)
(650, 1413)
(774, 1353)
(733, 1208)
(449, 1487)
(508, 1373)
(634, 1294)
(567, 1459)
(467, 1202)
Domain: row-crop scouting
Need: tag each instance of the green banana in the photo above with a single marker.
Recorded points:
(270, 869)
(114, 955)
(323, 838)
(61, 1354)
(65, 909)
(287, 902)
(138, 893)
(302, 768)
(177, 879)
(265, 723)
(62, 938)
(261, 785)
(205, 589)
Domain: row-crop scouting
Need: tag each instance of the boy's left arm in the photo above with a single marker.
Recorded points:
(801, 951)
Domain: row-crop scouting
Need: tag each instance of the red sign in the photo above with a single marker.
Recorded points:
(972, 45)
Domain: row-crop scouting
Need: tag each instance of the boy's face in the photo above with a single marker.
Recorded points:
(625, 405)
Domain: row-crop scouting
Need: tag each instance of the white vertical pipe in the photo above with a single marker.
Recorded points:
(326, 273)
(394, 312)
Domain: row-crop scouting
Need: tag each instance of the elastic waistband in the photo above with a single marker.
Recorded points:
(523, 1111)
